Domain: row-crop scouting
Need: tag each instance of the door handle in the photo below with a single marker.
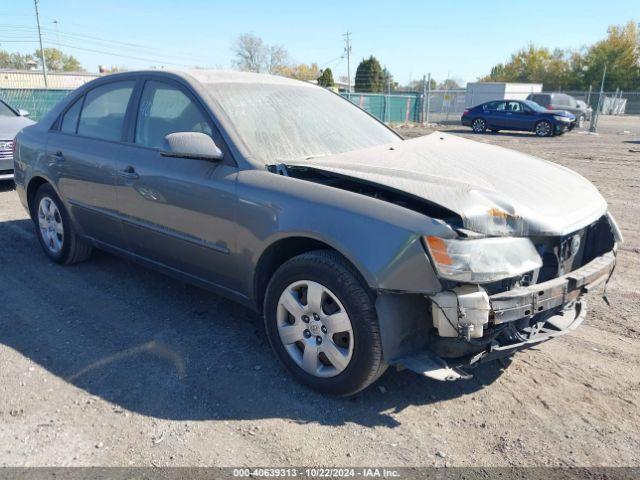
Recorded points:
(129, 173)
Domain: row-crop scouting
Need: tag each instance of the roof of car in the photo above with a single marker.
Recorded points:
(230, 76)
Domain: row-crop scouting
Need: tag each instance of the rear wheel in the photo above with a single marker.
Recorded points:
(55, 232)
(543, 129)
(479, 125)
(321, 322)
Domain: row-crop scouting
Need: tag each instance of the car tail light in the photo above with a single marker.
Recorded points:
(466, 111)
(549, 107)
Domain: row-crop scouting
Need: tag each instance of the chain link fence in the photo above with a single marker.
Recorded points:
(37, 102)
(446, 106)
(438, 106)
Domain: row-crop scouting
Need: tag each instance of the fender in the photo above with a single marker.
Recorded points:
(382, 240)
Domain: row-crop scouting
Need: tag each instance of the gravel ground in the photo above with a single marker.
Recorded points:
(107, 363)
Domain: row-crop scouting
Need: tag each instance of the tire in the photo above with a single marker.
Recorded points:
(543, 128)
(55, 231)
(293, 328)
(478, 125)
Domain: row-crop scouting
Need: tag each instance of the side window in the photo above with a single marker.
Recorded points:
(514, 107)
(495, 106)
(501, 106)
(104, 109)
(165, 109)
(70, 120)
(541, 100)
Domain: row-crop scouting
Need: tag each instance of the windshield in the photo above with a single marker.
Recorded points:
(280, 123)
(5, 111)
(535, 106)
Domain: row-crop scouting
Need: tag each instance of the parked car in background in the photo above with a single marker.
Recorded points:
(11, 122)
(586, 110)
(360, 249)
(560, 101)
(522, 115)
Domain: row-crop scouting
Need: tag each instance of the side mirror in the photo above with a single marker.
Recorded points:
(23, 113)
(195, 145)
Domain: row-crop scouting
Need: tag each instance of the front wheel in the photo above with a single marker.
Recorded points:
(321, 322)
(479, 125)
(544, 129)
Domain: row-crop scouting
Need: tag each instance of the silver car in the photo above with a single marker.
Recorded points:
(360, 249)
(11, 122)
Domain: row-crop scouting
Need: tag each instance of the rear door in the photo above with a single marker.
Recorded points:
(496, 114)
(177, 212)
(82, 153)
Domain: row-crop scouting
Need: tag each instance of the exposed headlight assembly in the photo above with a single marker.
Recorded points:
(482, 260)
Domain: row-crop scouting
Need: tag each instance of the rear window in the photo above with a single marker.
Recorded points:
(70, 120)
(540, 99)
(104, 109)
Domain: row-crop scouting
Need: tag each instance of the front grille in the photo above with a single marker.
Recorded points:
(6, 149)
(558, 258)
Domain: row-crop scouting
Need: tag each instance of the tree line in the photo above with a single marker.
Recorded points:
(563, 69)
(54, 58)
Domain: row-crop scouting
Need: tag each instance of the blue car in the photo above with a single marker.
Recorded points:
(522, 115)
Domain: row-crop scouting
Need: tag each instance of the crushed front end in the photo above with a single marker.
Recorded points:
(472, 323)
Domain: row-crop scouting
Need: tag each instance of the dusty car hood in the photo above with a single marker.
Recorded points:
(10, 126)
(495, 191)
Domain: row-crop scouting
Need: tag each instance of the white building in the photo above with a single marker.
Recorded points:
(33, 80)
(480, 92)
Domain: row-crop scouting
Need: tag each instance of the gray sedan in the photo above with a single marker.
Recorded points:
(361, 249)
(11, 122)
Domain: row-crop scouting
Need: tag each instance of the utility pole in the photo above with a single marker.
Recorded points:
(44, 63)
(347, 50)
(428, 96)
(594, 119)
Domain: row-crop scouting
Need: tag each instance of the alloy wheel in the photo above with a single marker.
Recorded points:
(50, 224)
(543, 129)
(479, 125)
(315, 328)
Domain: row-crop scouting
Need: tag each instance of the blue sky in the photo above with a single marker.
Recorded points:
(462, 39)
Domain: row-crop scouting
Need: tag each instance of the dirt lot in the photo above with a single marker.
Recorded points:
(106, 363)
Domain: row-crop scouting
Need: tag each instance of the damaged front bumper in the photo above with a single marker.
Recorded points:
(553, 308)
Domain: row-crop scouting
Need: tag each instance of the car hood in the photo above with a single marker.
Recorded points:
(10, 126)
(494, 190)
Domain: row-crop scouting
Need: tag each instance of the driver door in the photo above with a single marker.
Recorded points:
(177, 213)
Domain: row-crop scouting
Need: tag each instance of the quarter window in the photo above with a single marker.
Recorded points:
(70, 119)
(165, 109)
(104, 110)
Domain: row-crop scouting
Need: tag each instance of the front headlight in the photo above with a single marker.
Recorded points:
(561, 118)
(482, 260)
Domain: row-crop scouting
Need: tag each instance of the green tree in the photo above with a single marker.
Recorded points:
(300, 71)
(13, 60)
(567, 69)
(369, 76)
(388, 81)
(449, 84)
(326, 78)
(57, 60)
(620, 52)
